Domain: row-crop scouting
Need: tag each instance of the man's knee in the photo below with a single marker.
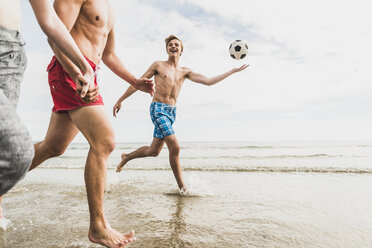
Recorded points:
(154, 152)
(105, 146)
(110, 145)
(55, 151)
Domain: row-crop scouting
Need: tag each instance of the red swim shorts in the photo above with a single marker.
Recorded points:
(63, 88)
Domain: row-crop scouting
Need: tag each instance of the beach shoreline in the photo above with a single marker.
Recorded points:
(49, 209)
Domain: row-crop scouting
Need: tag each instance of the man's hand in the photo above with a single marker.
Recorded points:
(239, 68)
(145, 85)
(116, 108)
(85, 87)
(92, 95)
(84, 82)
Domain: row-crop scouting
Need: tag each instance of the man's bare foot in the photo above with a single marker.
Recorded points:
(109, 237)
(123, 161)
(184, 192)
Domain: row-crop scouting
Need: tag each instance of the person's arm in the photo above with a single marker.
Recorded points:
(126, 94)
(201, 79)
(110, 58)
(56, 31)
(148, 74)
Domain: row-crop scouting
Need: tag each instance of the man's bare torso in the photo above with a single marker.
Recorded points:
(168, 82)
(10, 14)
(92, 27)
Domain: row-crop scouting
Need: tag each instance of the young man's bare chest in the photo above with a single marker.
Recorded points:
(170, 76)
(98, 13)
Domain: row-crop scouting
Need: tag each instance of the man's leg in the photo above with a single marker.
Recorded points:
(16, 149)
(61, 132)
(93, 122)
(145, 151)
(174, 158)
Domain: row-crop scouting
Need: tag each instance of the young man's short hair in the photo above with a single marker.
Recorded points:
(173, 37)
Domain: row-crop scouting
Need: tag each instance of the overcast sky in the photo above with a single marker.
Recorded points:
(309, 74)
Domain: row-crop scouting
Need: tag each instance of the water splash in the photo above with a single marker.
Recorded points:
(112, 180)
(194, 186)
(4, 223)
(113, 177)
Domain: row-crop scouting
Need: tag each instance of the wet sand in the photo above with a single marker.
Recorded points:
(227, 209)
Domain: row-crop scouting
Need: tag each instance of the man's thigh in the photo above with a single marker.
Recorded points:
(93, 122)
(157, 144)
(16, 149)
(172, 142)
(61, 131)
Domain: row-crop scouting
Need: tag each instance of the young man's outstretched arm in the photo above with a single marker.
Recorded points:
(201, 79)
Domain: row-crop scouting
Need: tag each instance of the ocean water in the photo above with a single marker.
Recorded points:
(243, 194)
(305, 156)
(309, 156)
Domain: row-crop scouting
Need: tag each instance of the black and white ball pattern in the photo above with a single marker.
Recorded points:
(238, 49)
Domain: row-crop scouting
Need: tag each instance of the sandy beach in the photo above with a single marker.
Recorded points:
(226, 208)
(49, 209)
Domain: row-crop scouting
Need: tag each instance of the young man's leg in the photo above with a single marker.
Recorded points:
(93, 122)
(174, 158)
(16, 149)
(16, 146)
(61, 132)
(145, 151)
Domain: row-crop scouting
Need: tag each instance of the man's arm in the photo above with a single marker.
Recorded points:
(126, 94)
(53, 27)
(113, 62)
(148, 74)
(68, 11)
(198, 78)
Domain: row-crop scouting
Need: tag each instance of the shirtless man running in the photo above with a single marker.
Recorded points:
(16, 148)
(169, 78)
(91, 24)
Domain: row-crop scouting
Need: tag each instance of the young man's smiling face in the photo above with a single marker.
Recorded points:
(174, 48)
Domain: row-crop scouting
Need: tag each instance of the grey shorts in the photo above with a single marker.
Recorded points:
(16, 148)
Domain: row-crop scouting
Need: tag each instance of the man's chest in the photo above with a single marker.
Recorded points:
(171, 77)
(98, 13)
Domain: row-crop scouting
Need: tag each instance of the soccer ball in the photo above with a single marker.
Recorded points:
(238, 49)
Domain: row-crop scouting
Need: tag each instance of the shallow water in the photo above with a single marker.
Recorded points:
(290, 156)
(227, 209)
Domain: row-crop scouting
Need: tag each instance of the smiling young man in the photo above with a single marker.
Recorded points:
(169, 78)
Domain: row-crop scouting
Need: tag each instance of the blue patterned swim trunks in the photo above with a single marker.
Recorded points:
(163, 116)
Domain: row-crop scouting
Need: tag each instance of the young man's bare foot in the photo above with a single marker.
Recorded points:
(184, 192)
(109, 237)
(123, 161)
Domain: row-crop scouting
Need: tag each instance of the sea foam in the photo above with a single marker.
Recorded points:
(194, 186)
(4, 223)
